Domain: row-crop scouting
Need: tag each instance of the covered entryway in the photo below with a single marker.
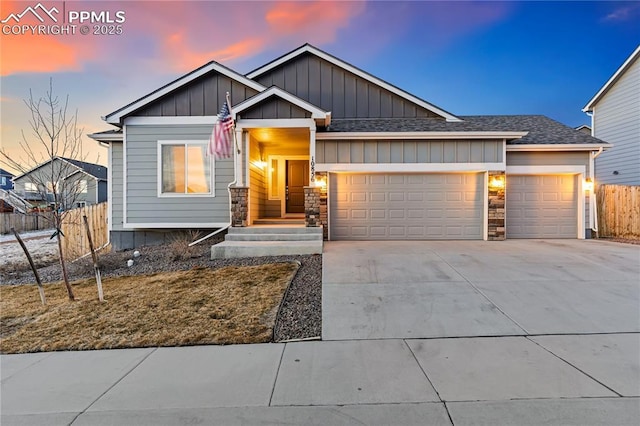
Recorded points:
(418, 206)
(542, 206)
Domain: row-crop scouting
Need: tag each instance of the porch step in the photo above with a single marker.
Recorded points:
(259, 241)
(292, 221)
(232, 249)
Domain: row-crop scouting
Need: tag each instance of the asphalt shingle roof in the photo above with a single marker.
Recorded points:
(542, 129)
(100, 172)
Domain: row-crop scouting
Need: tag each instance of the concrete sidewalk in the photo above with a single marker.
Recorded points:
(428, 333)
(466, 381)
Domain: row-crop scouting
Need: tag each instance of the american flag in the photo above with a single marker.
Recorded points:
(220, 140)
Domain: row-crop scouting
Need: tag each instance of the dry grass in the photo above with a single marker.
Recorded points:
(199, 306)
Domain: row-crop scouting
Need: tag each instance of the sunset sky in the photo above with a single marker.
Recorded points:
(466, 57)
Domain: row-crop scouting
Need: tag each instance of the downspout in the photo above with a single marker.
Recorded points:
(593, 217)
(236, 151)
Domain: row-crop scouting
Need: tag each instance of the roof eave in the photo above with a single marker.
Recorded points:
(421, 135)
(558, 147)
(614, 78)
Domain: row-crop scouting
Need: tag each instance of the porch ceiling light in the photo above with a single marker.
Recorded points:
(496, 182)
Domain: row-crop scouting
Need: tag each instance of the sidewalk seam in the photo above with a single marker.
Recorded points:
(429, 380)
(113, 385)
(484, 295)
(570, 364)
(275, 380)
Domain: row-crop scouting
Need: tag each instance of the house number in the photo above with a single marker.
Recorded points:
(313, 169)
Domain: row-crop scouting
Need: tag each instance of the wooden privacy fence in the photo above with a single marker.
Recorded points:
(618, 211)
(75, 242)
(25, 222)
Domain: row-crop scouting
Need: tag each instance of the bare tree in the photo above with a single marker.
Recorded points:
(50, 150)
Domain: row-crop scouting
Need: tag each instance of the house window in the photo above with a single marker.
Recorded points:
(274, 184)
(184, 168)
(30, 187)
(82, 186)
(81, 204)
(4, 180)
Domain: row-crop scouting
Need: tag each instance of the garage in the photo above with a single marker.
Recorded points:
(418, 206)
(541, 206)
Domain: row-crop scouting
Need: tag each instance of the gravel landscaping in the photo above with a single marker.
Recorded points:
(299, 317)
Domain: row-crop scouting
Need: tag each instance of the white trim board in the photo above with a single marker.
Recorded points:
(276, 123)
(557, 147)
(167, 225)
(548, 170)
(360, 73)
(408, 167)
(419, 135)
(160, 121)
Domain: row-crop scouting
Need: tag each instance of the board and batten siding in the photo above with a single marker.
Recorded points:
(408, 151)
(335, 89)
(274, 108)
(143, 204)
(203, 96)
(616, 120)
(117, 188)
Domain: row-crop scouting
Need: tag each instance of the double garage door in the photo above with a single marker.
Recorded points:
(378, 206)
(417, 206)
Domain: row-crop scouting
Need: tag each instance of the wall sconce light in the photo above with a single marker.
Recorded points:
(496, 182)
(321, 182)
(588, 184)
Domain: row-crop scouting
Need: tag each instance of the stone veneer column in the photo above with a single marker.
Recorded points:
(324, 213)
(496, 213)
(239, 206)
(312, 206)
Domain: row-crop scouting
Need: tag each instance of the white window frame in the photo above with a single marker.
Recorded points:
(30, 187)
(83, 186)
(161, 194)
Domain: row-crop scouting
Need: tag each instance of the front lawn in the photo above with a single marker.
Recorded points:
(198, 306)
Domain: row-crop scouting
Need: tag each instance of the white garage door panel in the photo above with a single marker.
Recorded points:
(541, 206)
(406, 206)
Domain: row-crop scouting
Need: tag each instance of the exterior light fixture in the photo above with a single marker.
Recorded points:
(496, 182)
(321, 182)
(588, 184)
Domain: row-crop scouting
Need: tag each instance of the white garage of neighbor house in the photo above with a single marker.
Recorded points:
(325, 142)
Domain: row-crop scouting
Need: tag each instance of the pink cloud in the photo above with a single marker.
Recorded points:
(624, 13)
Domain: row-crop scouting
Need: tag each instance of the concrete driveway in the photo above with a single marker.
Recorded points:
(431, 289)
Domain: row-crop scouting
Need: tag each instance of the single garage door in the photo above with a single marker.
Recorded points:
(417, 206)
(541, 206)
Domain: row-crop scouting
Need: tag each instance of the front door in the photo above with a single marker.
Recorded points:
(297, 179)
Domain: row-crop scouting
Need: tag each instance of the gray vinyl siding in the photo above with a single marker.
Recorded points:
(203, 96)
(410, 151)
(88, 197)
(143, 204)
(617, 121)
(275, 108)
(566, 158)
(343, 93)
(115, 203)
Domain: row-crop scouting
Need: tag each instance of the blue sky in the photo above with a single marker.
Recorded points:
(469, 58)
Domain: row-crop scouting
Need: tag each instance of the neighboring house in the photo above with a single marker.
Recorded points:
(6, 182)
(584, 129)
(615, 118)
(384, 163)
(87, 180)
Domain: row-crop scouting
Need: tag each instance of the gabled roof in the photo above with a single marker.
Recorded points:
(97, 171)
(307, 48)
(317, 114)
(526, 129)
(117, 116)
(614, 78)
(3, 172)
